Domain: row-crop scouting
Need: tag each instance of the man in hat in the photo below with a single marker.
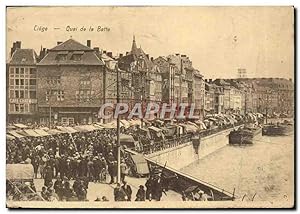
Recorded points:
(127, 189)
(141, 194)
(119, 194)
(124, 170)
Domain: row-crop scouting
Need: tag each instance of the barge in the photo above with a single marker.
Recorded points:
(280, 129)
(245, 135)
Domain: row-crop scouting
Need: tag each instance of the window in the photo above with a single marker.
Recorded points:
(17, 94)
(33, 107)
(11, 82)
(21, 81)
(53, 80)
(16, 107)
(60, 96)
(22, 71)
(32, 94)
(76, 57)
(21, 107)
(32, 71)
(17, 82)
(62, 57)
(32, 82)
(22, 94)
(11, 70)
(17, 71)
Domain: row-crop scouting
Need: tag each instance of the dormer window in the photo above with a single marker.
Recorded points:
(77, 55)
(62, 55)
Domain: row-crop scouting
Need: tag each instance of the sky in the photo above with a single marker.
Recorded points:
(218, 40)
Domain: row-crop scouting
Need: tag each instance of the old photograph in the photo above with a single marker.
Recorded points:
(150, 107)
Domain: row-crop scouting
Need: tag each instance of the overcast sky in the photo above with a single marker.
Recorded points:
(218, 40)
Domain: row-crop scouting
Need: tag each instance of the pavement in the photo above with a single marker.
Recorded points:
(104, 189)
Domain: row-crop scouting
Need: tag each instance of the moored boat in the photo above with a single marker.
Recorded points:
(278, 129)
(245, 135)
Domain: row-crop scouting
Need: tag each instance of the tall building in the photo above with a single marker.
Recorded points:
(145, 76)
(199, 94)
(22, 85)
(70, 84)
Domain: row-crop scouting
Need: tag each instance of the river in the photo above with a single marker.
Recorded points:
(263, 171)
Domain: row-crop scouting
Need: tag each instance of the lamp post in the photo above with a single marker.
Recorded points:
(118, 128)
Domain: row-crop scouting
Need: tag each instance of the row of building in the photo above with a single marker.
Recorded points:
(69, 83)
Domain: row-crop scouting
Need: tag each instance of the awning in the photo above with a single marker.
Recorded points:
(80, 128)
(15, 134)
(31, 133)
(90, 128)
(10, 137)
(54, 131)
(154, 128)
(98, 125)
(125, 123)
(135, 122)
(125, 138)
(71, 130)
(66, 129)
(19, 172)
(108, 126)
(189, 128)
(11, 127)
(41, 132)
(21, 126)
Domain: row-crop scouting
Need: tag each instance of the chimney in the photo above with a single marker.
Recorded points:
(12, 50)
(151, 59)
(210, 80)
(177, 54)
(127, 53)
(109, 54)
(183, 55)
(59, 42)
(88, 43)
(147, 55)
(96, 49)
(121, 55)
(18, 44)
(104, 51)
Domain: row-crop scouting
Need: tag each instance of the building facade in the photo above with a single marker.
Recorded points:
(22, 85)
(70, 84)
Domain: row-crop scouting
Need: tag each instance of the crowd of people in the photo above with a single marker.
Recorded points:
(85, 157)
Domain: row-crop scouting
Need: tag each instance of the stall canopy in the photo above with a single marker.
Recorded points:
(126, 140)
(19, 172)
(21, 126)
(135, 122)
(154, 128)
(10, 137)
(190, 128)
(109, 126)
(31, 133)
(54, 132)
(15, 134)
(125, 123)
(41, 132)
(66, 129)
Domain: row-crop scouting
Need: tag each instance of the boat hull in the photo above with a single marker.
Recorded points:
(281, 130)
(242, 137)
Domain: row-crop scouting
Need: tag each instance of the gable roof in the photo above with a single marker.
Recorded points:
(71, 45)
(23, 57)
(69, 48)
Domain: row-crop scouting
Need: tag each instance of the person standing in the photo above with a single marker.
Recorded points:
(127, 189)
(141, 194)
(124, 170)
(119, 194)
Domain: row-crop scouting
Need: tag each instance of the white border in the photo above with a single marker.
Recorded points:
(107, 3)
